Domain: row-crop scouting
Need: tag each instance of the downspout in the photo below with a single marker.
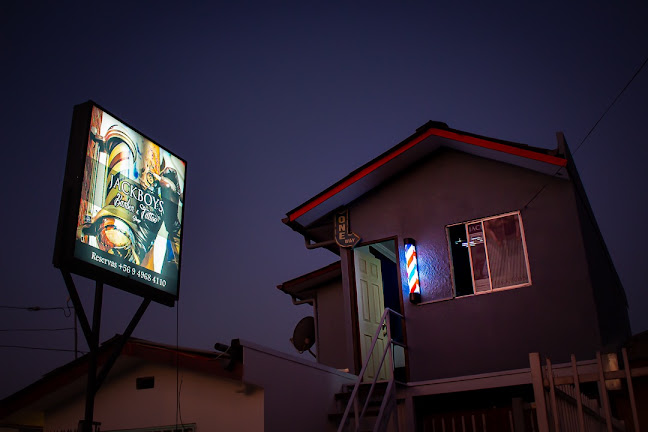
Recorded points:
(310, 245)
(301, 302)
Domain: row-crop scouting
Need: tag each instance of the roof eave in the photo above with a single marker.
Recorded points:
(435, 130)
(304, 286)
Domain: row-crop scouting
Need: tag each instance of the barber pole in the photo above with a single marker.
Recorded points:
(412, 271)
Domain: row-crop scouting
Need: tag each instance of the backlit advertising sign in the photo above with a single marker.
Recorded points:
(122, 207)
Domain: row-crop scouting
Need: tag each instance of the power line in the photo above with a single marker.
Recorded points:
(591, 130)
(38, 348)
(612, 104)
(35, 329)
(67, 310)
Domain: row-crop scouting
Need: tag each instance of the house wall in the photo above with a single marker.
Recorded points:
(330, 326)
(556, 315)
(612, 306)
(210, 402)
(299, 394)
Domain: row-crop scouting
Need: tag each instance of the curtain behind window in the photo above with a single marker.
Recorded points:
(505, 251)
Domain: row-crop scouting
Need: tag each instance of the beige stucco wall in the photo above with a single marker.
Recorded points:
(22, 418)
(210, 402)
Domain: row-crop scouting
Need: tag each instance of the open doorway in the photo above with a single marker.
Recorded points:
(377, 287)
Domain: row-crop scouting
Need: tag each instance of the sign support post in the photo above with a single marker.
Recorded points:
(95, 380)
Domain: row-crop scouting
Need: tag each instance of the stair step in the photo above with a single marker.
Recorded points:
(365, 386)
(373, 408)
(369, 416)
(376, 398)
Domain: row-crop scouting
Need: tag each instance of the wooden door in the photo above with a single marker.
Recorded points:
(371, 305)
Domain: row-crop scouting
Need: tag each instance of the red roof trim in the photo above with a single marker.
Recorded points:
(529, 154)
(480, 142)
(357, 176)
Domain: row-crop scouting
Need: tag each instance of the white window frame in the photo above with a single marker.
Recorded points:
(472, 276)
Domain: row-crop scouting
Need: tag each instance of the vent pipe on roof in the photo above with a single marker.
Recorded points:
(234, 354)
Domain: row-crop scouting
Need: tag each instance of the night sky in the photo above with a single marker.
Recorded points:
(270, 103)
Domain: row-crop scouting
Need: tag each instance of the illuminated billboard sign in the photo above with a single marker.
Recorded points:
(122, 207)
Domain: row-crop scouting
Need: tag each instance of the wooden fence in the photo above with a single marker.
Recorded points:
(561, 404)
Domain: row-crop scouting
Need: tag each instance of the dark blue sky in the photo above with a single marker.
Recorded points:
(271, 102)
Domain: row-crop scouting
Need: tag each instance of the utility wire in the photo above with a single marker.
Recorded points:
(38, 348)
(544, 186)
(66, 310)
(35, 329)
(592, 129)
(612, 104)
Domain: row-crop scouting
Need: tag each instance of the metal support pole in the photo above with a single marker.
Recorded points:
(76, 335)
(122, 341)
(78, 307)
(92, 336)
(91, 388)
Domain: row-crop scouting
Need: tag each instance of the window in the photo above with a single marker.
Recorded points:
(143, 383)
(488, 254)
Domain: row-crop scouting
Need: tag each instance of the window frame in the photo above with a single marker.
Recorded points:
(491, 290)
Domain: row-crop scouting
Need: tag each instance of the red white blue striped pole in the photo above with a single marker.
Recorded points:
(412, 271)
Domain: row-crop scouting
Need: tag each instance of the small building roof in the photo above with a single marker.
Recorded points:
(303, 287)
(427, 139)
(70, 379)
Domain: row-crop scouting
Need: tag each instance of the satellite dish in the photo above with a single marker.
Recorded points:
(304, 335)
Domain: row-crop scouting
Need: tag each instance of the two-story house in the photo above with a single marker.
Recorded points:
(510, 261)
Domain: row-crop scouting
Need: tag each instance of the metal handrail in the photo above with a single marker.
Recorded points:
(354, 393)
(383, 405)
(375, 379)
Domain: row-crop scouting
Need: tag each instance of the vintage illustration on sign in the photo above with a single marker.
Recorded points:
(130, 213)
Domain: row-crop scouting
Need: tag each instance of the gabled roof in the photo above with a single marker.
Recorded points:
(428, 138)
(70, 378)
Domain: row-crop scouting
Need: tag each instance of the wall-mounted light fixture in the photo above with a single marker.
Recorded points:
(412, 271)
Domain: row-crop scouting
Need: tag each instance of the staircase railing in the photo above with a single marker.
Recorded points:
(389, 394)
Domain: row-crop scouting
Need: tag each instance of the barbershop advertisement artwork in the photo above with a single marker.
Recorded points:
(131, 206)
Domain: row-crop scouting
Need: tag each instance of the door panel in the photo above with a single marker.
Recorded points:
(369, 291)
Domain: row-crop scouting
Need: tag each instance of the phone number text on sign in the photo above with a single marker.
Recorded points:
(142, 275)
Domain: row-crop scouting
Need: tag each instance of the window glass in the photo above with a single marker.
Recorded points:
(460, 260)
(488, 254)
(506, 251)
(481, 277)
